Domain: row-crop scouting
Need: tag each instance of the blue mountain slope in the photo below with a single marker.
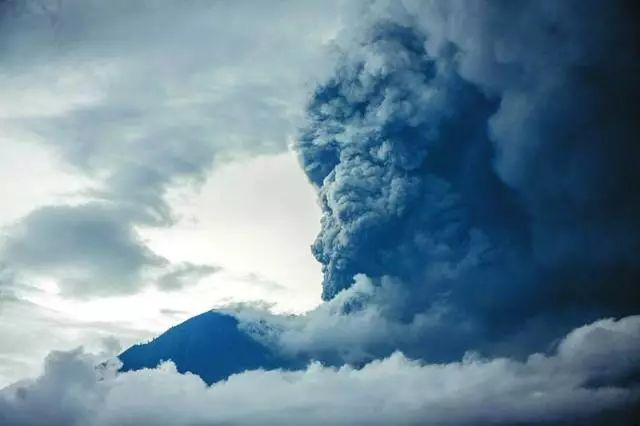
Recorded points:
(209, 345)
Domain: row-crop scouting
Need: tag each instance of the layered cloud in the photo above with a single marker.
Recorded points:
(152, 98)
(579, 384)
(89, 249)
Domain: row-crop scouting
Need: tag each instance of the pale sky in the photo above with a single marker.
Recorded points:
(239, 220)
(115, 140)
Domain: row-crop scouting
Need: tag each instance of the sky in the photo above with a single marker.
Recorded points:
(146, 174)
(405, 202)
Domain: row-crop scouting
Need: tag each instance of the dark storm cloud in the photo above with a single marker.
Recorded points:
(565, 133)
(484, 154)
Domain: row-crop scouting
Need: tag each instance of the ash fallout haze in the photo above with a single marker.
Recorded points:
(319, 213)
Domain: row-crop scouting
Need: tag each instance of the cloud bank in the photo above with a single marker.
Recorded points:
(581, 379)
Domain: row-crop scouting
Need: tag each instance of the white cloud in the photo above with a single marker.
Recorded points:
(394, 390)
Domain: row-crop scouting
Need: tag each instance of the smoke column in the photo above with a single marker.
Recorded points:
(483, 155)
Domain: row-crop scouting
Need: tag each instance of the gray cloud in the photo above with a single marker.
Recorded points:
(183, 275)
(159, 79)
(153, 97)
(172, 312)
(540, 390)
(90, 249)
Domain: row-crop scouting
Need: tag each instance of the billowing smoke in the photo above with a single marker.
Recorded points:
(475, 163)
(379, 132)
(483, 154)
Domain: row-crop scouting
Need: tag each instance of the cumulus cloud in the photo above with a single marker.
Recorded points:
(395, 390)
